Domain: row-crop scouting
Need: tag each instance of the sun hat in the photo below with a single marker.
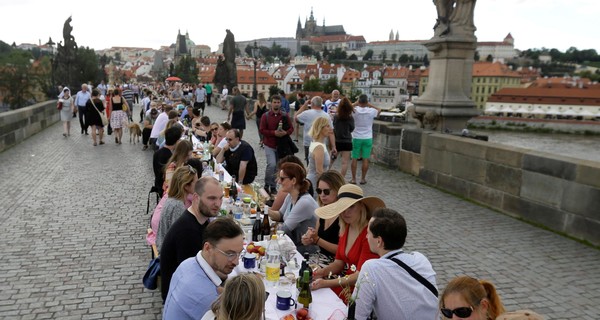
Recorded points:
(348, 195)
(520, 315)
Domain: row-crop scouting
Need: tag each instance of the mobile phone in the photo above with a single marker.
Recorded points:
(267, 296)
(333, 157)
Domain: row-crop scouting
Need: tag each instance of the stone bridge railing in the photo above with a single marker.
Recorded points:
(18, 125)
(557, 192)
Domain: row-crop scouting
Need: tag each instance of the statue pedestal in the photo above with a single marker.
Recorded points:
(449, 87)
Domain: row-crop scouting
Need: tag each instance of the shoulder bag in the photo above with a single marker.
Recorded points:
(102, 115)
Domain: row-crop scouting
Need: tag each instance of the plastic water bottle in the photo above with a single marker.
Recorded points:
(273, 261)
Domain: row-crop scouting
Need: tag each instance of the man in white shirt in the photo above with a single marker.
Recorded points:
(385, 286)
(81, 99)
(199, 96)
(224, 94)
(307, 117)
(362, 136)
(332, 103)
(159, 125)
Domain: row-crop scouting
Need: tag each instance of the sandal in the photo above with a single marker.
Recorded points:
(363, 182)
(352, 181)
(101, 142)
(95, 144)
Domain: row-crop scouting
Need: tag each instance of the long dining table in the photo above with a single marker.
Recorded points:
(325, 303)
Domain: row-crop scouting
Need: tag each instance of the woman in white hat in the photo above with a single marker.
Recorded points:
(354, 210)
(67, 107)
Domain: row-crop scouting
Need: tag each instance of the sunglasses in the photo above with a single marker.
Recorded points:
(228, 139)
(324, 191)
(214, 129)
(192, 170)
(462, 312)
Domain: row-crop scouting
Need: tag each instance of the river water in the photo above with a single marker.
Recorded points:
(571, 145)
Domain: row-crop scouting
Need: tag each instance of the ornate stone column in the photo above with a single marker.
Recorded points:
(445, 104)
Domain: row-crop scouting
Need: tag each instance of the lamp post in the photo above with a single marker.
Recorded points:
(255, 54)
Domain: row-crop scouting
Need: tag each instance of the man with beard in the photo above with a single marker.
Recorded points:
(198, 281)
(185, 237)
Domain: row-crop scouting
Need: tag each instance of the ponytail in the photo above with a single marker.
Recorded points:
(496, 307)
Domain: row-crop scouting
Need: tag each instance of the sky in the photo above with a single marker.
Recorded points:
(103, 24)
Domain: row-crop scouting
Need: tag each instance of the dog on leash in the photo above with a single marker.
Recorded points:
(135, 132)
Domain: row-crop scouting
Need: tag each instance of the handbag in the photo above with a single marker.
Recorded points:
(102, 115)
(150, 279)
(124, 106)
(59, 105)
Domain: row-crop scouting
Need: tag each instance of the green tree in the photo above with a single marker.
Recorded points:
(353, 57)
(187, 70)
(273, 90)
(16, 80)
(476, 57)
(307, 51)
(326, 53)
(331, 84)
(87, 66)
(338, 54)
(312, 85)
(489, 58)
(383, 55)
(368, 55)
(394, 56)
(403, 59)
(426, 60)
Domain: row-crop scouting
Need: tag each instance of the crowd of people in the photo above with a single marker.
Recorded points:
(316, 207)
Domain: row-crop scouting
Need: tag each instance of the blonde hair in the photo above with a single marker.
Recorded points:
(180, 153)
(473, 291)
(365, 216)
(317, 127)
(182, 177)
(242, 299)
(334, 179)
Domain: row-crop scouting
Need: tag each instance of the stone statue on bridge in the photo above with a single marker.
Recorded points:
(64, 62)
(226, 72)
(455, 17)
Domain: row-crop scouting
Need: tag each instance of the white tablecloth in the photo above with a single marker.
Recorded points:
(325, 301)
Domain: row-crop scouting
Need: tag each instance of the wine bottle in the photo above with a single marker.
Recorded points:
(305, 297)
(257, 228)
(233, 188)
(266, 226)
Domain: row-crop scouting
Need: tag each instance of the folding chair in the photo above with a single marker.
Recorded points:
(154, 190)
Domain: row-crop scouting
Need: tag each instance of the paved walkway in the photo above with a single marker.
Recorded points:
(73, 222)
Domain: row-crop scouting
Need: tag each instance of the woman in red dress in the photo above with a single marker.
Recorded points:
(353, 250)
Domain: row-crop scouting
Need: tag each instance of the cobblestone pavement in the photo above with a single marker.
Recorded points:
(73, 223)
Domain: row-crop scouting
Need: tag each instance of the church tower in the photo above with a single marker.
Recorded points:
(391, 37)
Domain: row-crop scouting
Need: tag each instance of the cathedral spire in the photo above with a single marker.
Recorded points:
(312, 17)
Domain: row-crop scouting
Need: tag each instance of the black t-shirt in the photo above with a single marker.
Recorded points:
(183, 240)
(159, 161)
(332, 234)
(243, 153)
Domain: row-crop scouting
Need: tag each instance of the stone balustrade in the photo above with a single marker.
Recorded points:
(18, 125)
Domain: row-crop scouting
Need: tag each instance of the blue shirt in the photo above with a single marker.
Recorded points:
(285, 105)
(389, 290)
(82, 98)
(192, 291)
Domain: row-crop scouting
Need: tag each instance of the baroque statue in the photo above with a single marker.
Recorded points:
(455, 17)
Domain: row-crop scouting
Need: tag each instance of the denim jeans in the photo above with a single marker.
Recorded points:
(271, 155)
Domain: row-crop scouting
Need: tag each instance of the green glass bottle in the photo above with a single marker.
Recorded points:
(305, 297)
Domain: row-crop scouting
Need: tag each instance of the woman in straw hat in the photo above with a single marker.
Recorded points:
(296, 213)
(353, 250)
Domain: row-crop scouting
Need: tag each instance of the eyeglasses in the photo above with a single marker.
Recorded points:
(214, 129)
(462, 312)
(324, 191)
(192, 169)
(230, 256)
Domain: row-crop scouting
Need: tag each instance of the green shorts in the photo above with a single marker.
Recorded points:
(361, 148)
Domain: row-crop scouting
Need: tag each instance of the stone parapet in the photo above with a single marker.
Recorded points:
(558, 192)
(18, 125)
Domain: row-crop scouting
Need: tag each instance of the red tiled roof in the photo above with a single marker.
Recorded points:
(561, 96)
(247, 77)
